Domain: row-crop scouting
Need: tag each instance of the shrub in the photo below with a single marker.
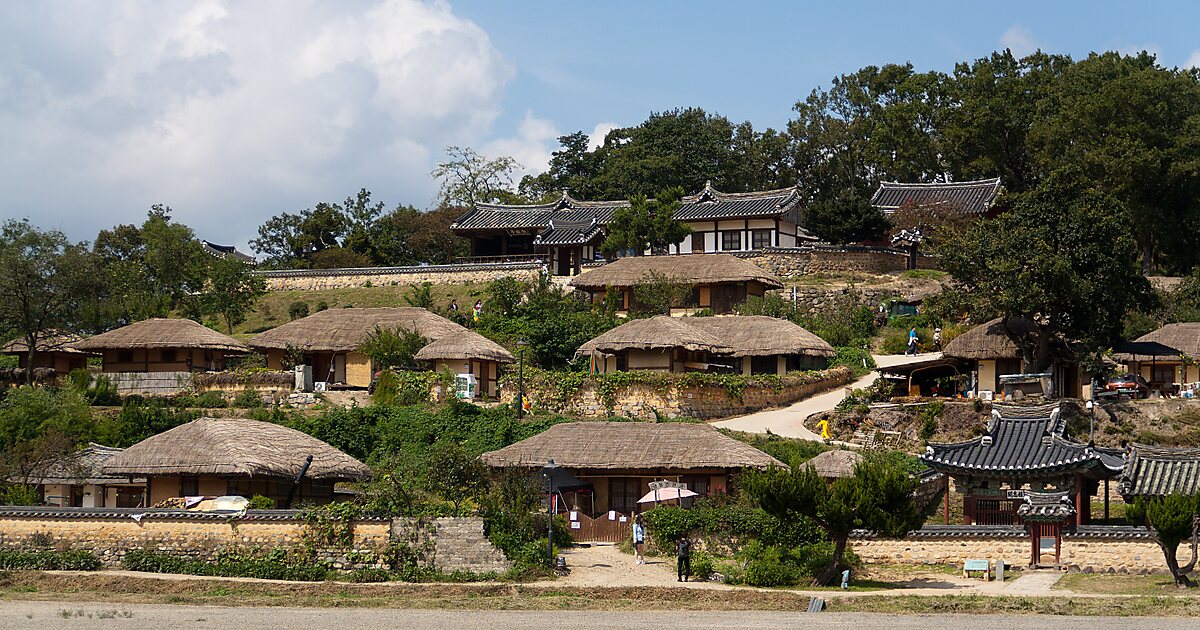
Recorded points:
(19, 494)
(103, 393)
(275, 565)
(211, 400)
(259, 502)
(702, 565)
(71, 560)
(769, 566)
(858, 360)
(298, 309)
(248, 399)
(322, 306)
(368, 575)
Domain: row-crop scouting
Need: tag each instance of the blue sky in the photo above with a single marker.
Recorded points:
(231, 112)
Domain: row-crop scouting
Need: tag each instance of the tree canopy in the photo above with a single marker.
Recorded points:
(647, 224)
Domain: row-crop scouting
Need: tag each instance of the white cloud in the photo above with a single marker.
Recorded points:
(1019, 40)
(1193, 61)
(1133, 50)
(596, 138)
(233, 111)
(536, 139)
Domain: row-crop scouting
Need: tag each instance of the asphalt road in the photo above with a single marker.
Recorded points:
(46, 615)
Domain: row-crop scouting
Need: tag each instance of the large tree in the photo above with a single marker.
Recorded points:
(1062, 259)
(1174, 519)
(468, 177)
(47, 284)
(232, 291)
(646, 224)
(878, 497)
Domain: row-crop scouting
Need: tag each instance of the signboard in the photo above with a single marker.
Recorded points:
(1016, 494)
(663, 485)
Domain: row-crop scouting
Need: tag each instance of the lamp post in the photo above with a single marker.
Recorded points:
(521, 381)
(548, 473)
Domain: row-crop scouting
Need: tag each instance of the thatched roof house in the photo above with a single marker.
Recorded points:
(57, 350)
(236, 456)
(619, 459)
(656, 333)
(990, 340)
(78, 480)
(331, 338)
(749, 345)
(835, 464)
(991, 350)
(162, 345)
(1165, 356)
(719, 281)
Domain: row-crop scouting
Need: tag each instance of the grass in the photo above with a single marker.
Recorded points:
(1119, 584)
(920, 274)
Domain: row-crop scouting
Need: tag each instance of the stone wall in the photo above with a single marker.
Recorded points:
(1117, 550)
(455, 544)
(150, 383)
(644, 400)
(814, 259)
(317, 279)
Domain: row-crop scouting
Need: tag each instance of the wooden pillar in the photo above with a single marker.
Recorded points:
(946, 507)
(1106, 501)
(1079, 506)
(968, 507)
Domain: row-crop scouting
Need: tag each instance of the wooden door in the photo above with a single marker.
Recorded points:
(1045, 544)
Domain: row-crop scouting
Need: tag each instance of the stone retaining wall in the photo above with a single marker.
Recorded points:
(318, 279)
(1087, 554)
(798, 261)
(648, 401)
(456, 544)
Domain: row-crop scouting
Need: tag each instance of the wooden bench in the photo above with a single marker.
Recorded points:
(977, 566)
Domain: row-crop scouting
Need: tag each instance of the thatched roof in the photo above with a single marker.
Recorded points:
(989, 340)
(465, 346)
(631, 445)
(345, 329)
(234, 446)
(162, 333)
(759, 336)
(659, 332)
(54, 342)
(81, 467)
(835, 464)
(1172, 339)
(686, 268)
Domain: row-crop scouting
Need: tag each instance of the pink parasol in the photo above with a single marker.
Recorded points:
(667, 494)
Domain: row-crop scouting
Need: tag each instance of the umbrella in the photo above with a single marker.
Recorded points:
(667, 494)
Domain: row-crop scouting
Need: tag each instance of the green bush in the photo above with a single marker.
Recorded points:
(275, 565)
(297, 310)
(259, 502)
(72, 560)
(103, 393)
(769, 565)
(211, 400)
(368, 575)
(702, 565)
(858, 360)
(322, 306)
(19, 494)
(248, 399)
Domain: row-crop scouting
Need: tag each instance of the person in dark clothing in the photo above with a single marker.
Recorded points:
(683, 554)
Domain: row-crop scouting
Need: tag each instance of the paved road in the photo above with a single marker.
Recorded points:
(53, 615)
(789, 421)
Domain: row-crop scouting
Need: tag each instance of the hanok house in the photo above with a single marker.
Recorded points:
(617, 461)
(997, 364)
(163, 345)
(567, 232)
(330, 342)
(972, 198)
(1166, 358)
(77, 480)
(213, 457)
(57, 352)
(741, 345)
(719, 282)
(1023, 451)
(222, 252)
(1156, 472)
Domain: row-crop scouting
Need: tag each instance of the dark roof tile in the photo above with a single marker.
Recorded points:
(974, 197)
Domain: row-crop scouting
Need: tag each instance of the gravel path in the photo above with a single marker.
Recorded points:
(35, 615)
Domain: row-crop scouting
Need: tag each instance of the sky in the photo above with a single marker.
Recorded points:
(233, 111)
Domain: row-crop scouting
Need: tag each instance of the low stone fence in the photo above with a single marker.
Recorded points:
(1087, 549)
(651, 394)
(813, 259)
(453, 544)
(150, 383)
(317, 279)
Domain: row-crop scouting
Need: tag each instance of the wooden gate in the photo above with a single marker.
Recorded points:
(1046, 544)
(600, 529)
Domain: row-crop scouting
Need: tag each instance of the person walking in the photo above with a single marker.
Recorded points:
(454, 306)
(478, 310)
(639, 540)
(912, 341)
(683, 558)
(937, 338)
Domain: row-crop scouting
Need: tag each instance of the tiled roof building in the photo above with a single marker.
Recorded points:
(971, 198)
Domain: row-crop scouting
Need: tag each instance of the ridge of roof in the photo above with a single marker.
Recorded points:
(991, 181)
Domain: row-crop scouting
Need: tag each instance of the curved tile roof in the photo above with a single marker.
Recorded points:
(973, 197)
(1155, 471)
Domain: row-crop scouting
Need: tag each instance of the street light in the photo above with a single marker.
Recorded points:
(548, 473)
(521, 380)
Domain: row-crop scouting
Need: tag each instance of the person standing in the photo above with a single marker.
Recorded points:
(683, 556)
(937, 338)
(478, 310)
(454, 307)
(912, 341)
(639, 540)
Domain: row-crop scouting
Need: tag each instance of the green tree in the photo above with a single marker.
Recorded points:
(878, 497)
(232, 291)
(454, 474)
(656, 293)
(1061, 258)
(1174, 519)
(844, 217)
(647, 224)
(46, 285)
(468, 177)
(392, 348)
(420, 296)
(293, 239)
(175, 263)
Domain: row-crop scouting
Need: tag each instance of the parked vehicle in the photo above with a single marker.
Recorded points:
(1132, 385)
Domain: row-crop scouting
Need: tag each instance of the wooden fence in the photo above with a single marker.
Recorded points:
(600, 529)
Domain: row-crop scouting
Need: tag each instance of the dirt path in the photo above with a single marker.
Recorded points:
(789, 421)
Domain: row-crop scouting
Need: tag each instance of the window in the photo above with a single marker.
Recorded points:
(763, 365)
(1163, 374)
(731, 241)
(699, 485)
(169, 356)
(760, 239)
(125, 356)
(623, 493)
(189, 486)
(697, 242)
